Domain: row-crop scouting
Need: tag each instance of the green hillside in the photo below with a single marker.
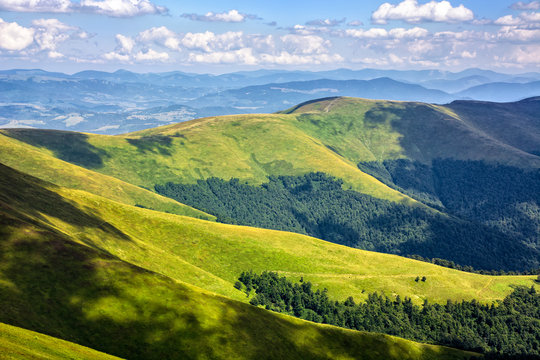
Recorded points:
(17, 343)
(372, 130)
(248, 147)
(212, 255)
(42, 163)
(73, 286)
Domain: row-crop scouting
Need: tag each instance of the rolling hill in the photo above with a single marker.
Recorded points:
(404, 152)
(74, 266)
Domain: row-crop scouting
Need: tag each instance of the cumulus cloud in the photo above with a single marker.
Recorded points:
(523, 20)
(518, 35)
(113, 8)
(50, 33)
(125, 43)
(121, 8)
(532, 5)
(151, 56)
(232, 16)
(412, 12)
(52, 6)
(14, 37)
(355, 23)
(380, 33)
(161, 36)
(309, 44)
(325, 22)
(209, 41)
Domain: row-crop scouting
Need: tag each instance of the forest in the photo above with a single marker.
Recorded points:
(318, 205)
(507, 329)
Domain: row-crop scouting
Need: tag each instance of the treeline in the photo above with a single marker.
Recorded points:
(316, 204)
(468, 268)
(510, 328)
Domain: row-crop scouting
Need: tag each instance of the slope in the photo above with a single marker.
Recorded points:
(212, 255)
(53, 285)
(364, 130)
(42, 163)
(18, 343)
(244, 146)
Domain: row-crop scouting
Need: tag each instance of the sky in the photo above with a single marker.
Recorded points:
(224, 36)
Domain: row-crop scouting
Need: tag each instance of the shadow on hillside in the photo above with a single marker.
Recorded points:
(28, 196)
(69, 146)
(156, 144)
(72, 292)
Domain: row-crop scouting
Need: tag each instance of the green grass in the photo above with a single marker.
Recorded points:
(42, 163)
(17, 343)
(212, 255)
(374, 130)
(79, 292)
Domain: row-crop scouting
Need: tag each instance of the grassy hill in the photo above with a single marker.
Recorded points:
(371, 130)
(17, 343)
(212, 255)
(65, 272)
(42, 163)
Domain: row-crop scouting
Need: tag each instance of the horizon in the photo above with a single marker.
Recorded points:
(516, 72)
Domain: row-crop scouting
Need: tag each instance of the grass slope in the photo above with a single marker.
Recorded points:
(212, 255)
(17, 343)
(249, 147)
(83, 294)
(42, 163)
(374, 130)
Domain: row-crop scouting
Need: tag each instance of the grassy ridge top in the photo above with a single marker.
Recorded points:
(374, 130)
(17, 343)
(44, 164)
(79, 292)
(212, 255)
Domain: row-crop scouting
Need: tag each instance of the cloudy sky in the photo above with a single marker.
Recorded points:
(221, 36)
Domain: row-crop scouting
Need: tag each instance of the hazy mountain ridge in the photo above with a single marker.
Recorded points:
(109, 103)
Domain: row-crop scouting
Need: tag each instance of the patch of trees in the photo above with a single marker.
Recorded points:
(504, 198)
(510, 328)
(316, 204)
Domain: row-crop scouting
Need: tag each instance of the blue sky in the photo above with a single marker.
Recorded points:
(224, 36)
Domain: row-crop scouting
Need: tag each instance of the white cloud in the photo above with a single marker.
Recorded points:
(151, 55)
(125, 44)
(525, 19)
(52, 6)
(14, 37)
(410, 11)
(285, 58)
(114, 56)
(162, 36)
(355, 23)
(468, 55)
(208, 41)
(325, 22)
(523, 55)
(232, 16)
(121, 8)
(243, 56)
(532, 5)
(51, 32)
(113, 8)
(309, 44)
(380, 33)
(519, 35)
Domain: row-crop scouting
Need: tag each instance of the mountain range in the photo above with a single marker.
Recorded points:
(123, 101)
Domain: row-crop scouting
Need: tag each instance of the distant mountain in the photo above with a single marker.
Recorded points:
(502, 91)
(112, 102)
(273, 97)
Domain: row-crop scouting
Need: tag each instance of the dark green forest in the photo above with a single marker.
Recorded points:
(316, 204)
(510, 327)
(505, 198)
